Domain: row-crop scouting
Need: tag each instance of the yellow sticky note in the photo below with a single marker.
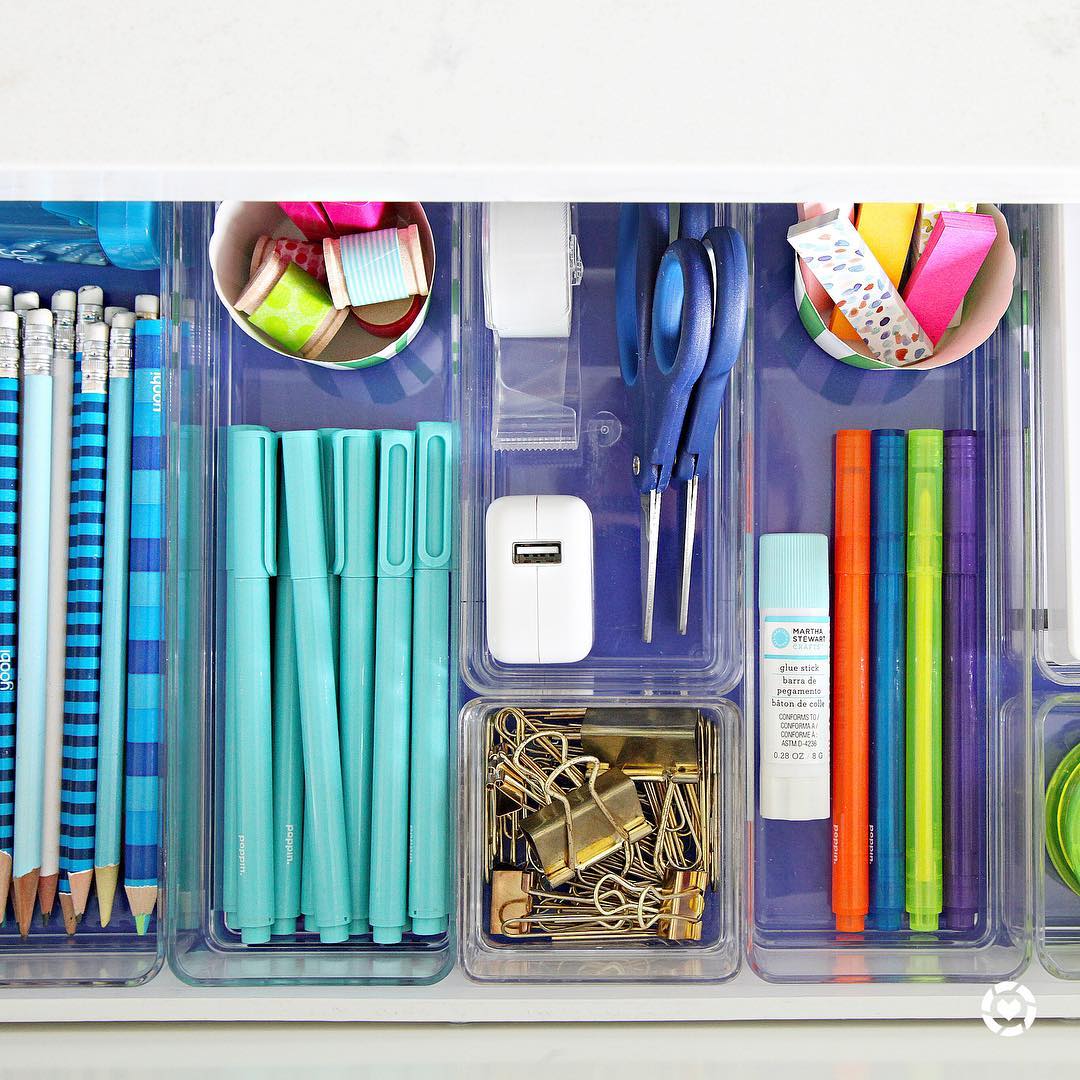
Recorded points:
(886, 230)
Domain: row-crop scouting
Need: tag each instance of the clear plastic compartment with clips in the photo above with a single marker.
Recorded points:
(601, 840)
(222, 376)
(801, 398)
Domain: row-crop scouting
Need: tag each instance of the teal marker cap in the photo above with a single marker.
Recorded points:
(434, 495)
(397, 454)
(251, 548)
(307, 522)
(326, 445)
(356, 505)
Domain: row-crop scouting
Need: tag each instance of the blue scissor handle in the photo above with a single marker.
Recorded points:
(696, 219)
(643, 236)
(681, 327)
(728, 325)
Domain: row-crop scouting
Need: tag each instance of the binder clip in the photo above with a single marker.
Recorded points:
(684, 905)
(582, 826)
(647, 744)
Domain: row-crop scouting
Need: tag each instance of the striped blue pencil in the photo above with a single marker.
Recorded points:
(9, 505)
(82, 682)
(114, 613)
(145, 626)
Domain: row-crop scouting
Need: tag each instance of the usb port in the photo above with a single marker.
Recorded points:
(531, 552)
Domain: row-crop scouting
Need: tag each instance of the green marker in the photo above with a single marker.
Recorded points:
(924, 565)
(250, 560)
(356, 467)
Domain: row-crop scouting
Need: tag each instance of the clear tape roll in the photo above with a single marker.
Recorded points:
(531, 264)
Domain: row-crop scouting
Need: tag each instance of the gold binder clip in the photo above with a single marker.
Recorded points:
(511, 902)
(684, 905)
(586, 824)
(647, 744)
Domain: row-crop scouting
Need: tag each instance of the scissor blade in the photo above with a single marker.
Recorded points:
(689, 529)
(650, 542)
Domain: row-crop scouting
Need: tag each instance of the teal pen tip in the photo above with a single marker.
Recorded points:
(142, 922)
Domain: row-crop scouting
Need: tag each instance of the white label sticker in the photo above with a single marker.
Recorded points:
(794, 674)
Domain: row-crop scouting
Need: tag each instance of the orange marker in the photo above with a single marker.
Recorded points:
(851, 683)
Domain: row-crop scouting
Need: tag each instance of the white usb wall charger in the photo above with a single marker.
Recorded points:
(539, 556)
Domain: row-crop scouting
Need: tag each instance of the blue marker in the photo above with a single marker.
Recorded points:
(888, 495)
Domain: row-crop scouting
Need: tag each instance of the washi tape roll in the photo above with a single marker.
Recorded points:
(290, 306)
(350, 217)
(390, 318)
(305, 253)
(370, 268)
(310, 218)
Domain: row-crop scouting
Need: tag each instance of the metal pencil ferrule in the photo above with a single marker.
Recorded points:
(37, 349)
(121, 352)
(9, 352)
(63, 333)
(95, 366)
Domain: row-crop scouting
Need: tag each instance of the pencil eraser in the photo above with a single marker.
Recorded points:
(90, 295)
(110, 313)
(39, 317)
(885, 228)
(26, 301)
(123, 320)
(96, 331)
(63, 300)
(9, 320)
(953, 256)
(147, 306)
(6, 297)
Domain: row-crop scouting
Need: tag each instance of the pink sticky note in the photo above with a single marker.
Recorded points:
(818, 296)
(351, 217)
(947, 267)
(309, 218)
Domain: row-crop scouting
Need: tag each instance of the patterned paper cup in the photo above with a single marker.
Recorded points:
(238, 227)
(986, 301)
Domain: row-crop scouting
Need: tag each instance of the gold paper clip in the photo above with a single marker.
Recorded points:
(582, 826)
(684, 905)
(647, 744)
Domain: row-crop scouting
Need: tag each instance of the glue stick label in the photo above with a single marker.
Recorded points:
(794, 681)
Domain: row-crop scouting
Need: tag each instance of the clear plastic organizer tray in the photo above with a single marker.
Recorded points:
(1057, 906)
(708, 658)
(224, 377)
(715, 956)
(801, 398)
(773, 472)
(115, 955)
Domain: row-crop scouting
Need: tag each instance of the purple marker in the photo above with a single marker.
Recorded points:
(963, 773)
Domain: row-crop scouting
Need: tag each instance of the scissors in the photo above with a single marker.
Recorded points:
(680, 311)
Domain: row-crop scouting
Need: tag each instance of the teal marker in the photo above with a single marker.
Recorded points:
(324, 820)
(393, 684)
(356, 513)
(250, 558)
(429, 784)
(288, 746)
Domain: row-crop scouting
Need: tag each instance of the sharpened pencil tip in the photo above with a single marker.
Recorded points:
(142, 922)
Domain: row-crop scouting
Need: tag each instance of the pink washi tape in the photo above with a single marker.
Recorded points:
(309, 218)
(307, 254)
(350, 217)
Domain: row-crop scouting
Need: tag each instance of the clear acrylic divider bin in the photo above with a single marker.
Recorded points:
(801, 398)
(222, 376)
(706, 660)
(486, 956)
(1057, 905)
(115, 955)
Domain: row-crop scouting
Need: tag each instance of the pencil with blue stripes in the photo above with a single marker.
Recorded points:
(145, 626)
(35, 473)
(114, 614)
(82, 676)
(9, 510)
